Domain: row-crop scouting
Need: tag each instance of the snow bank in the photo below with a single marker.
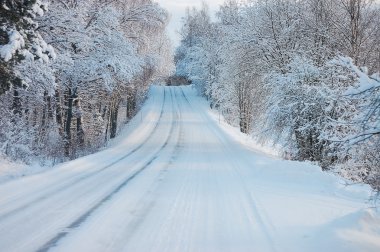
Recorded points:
(358, 231)
(236, 134)
(11, 170)
(362, 227)
(244, 139)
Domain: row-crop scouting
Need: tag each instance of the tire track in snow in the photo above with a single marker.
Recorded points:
(267, 227)
(150, 201)
(77, 179)
(81, 219)
(177, 150)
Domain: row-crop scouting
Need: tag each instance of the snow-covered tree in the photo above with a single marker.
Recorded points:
(70, 100)
(278, 70)
(356, 133)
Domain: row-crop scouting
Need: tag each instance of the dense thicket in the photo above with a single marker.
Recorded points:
(71, 75)
(298, 73)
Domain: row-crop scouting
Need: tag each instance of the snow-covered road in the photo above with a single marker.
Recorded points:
(178, 181)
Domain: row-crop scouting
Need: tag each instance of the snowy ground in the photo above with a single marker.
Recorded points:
(10, 170)
(177, 180)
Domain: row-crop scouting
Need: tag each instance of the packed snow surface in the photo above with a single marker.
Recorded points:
(179, 180)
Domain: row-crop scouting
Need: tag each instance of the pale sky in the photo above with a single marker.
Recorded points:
(177, 10)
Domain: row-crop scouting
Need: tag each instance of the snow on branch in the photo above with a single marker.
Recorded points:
(16, 42)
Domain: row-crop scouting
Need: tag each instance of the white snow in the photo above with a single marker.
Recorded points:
(16, 42)
(10, 170)
(180, 181)
(38, 8)
(365, 82)
(248, 141)
(28, 55)
(5, 6)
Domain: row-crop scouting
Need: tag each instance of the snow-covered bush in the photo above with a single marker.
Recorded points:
(356, 133)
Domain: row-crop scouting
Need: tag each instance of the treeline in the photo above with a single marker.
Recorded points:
(73, 71)
(302, 74)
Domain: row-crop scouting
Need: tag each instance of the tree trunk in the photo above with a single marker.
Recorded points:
(69, 117)
(78, 115)
(113, 127)
(131, 103)
(16, 106)
(58, 113)
(44, 113)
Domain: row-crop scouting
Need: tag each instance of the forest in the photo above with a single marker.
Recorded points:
(72, 72)
(299, 75)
